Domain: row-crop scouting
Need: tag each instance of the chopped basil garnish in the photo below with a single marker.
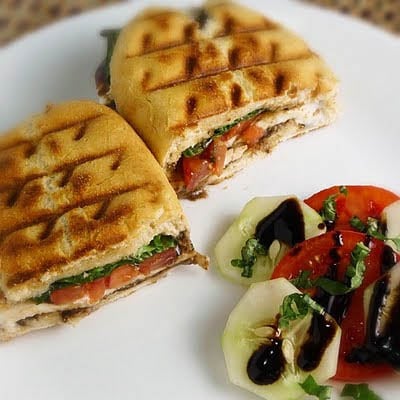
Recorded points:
(355, 272)
(311, 387)
(359, 391)
(373, 228)
(356, 269)
(297, 306)
(343, 190)
(111, 35)
(303, 281)
(157, 245)
(328, 210)
(223, 129)
(200, 147)
(250, 251)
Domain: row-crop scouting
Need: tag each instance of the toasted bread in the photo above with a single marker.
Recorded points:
(79, 190)
(176, 78)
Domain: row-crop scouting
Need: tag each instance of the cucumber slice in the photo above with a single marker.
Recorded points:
(251, 324)
(381, 310)
(230, 245)
(390, 218)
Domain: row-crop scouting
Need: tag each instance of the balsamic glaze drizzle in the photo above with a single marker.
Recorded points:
(285, 223)
(382, 341)
(389, 259)
(320, 335)
(267, 363)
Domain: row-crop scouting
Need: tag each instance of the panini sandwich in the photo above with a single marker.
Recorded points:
(86, 216)
(210, 89)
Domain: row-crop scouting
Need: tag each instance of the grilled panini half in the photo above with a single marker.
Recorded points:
(210, 89)
(86, 216)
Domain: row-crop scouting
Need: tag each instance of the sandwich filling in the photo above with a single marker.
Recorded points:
(209, 157)
(161, 252)
(259, 130)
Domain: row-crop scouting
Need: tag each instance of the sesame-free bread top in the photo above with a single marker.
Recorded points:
(176, 77)
(79, 189)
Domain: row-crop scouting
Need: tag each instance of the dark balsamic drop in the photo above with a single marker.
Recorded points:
(389, 259)
(382, 341)
(320, 334)
(285, 223)
(330, 225)
(266, 364)
(296, 250)
(338, 239)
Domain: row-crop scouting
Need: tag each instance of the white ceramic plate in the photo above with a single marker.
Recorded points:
(164, 342)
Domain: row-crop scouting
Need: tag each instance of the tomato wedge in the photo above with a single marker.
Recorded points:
(360, 201)
(167, 257)
(236, 130)
(252, 135)
(95, 289)
(215, 153)
(195, 170)
(318, 255)
(67, 295)
(121, 276)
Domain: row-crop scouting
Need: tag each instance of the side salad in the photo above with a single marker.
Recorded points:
(324, 295)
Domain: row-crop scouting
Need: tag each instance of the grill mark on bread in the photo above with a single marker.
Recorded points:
(216, 72)
(31, 150)
(191, 104)
(191, 63)
(186, 41)
(102, 210)
(236, 95)
(189, 32)
(12, 199)
(48, 229)
(234, 57)
(66, 176)
(229, 25)
(80, 133)
(279, 83)
(117, 162)
(65, 167)
(146, 41)
(146, 79)
(46, 215)
(44, 132)
(68, 125)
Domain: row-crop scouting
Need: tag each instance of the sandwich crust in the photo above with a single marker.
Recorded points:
(175, 77)
(79, 189)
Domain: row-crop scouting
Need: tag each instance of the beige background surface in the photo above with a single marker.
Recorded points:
(20, 16)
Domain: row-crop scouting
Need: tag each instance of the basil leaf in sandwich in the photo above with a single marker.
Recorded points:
(157, 245)
(200, 147)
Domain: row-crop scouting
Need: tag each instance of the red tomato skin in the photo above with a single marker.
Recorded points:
(167, 257)
(121, 276)
(313, 254)
(67, 295)
(195, 170)
(215, 153)
(360, 201)
(252, 135)
(95, 290)
(236, 130)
